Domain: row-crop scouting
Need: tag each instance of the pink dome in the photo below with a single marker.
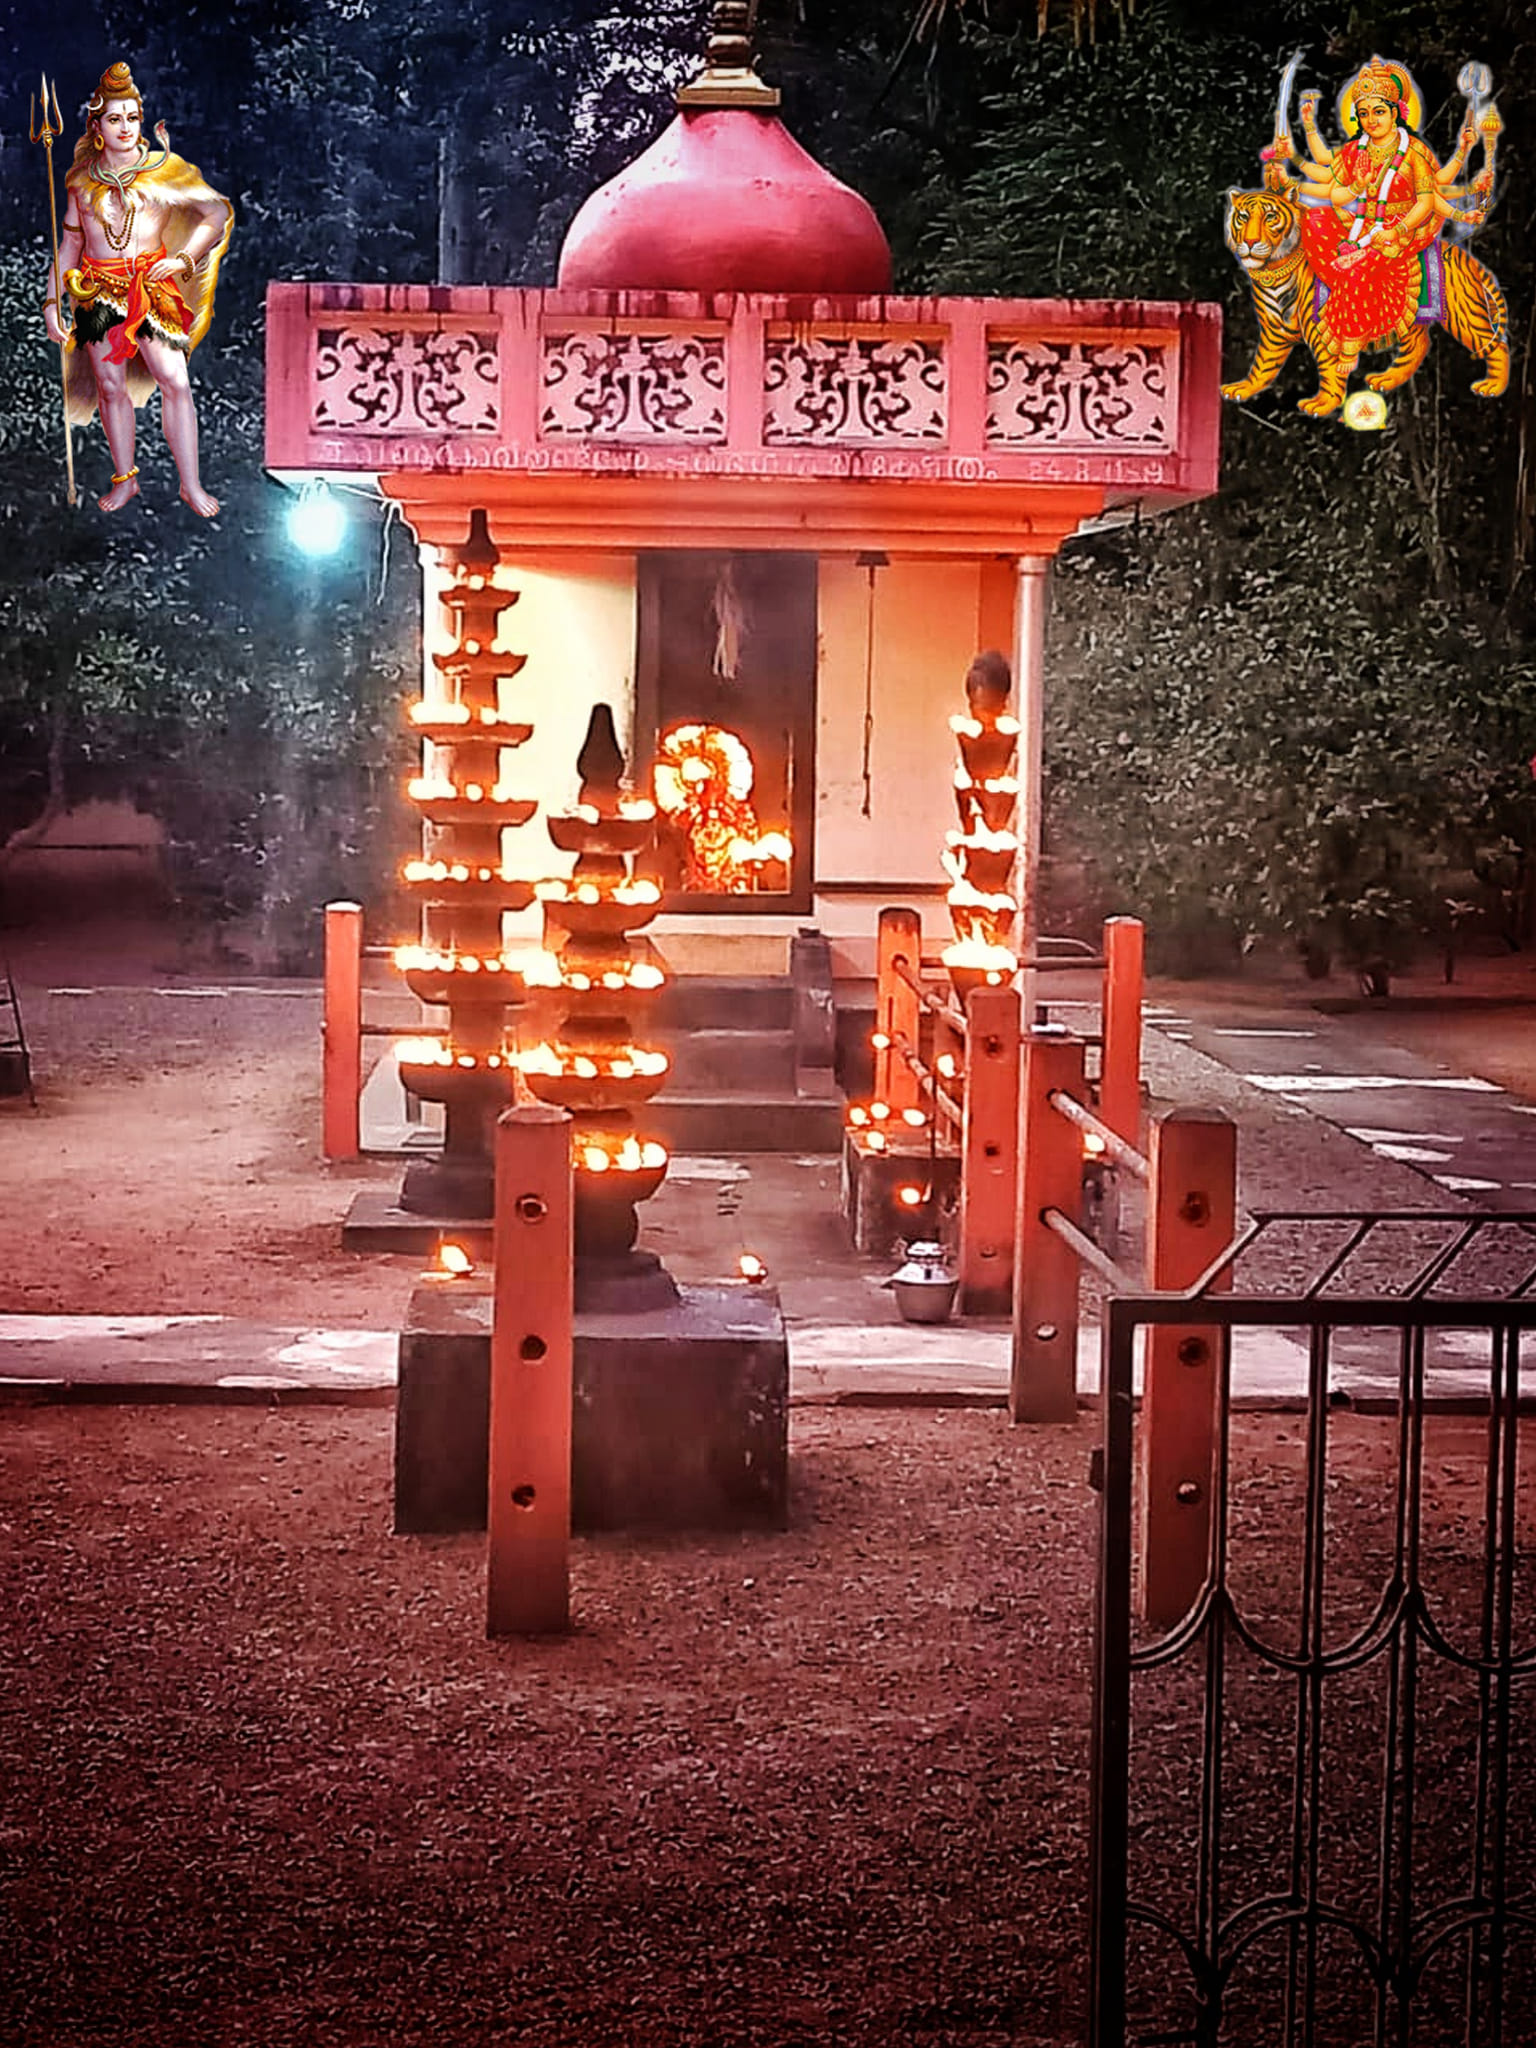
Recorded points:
(726, 200)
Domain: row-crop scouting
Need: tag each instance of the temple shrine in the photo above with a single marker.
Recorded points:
(727, 483)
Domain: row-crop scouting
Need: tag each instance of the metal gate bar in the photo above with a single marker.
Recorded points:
(1486, 1914)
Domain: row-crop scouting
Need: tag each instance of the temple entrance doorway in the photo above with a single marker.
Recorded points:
(725, 707)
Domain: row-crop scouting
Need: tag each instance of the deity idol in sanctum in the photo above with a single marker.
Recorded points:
(139, 257)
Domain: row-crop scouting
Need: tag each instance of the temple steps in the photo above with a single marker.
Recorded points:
(752, 1060)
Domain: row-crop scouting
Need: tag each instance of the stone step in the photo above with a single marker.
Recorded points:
(723, 1124)
(729, 1062)
(722, 1002)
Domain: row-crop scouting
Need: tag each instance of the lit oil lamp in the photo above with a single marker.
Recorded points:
(459, 962)
(593, 1065)
(981, 855)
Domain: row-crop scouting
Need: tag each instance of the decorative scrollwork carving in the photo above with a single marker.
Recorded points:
(634, 387)
(371, 379)
(1079, 394)
(819, 389)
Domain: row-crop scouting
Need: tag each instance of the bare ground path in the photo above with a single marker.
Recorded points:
(265, 1780)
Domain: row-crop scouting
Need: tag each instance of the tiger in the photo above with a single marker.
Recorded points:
(1264, 234)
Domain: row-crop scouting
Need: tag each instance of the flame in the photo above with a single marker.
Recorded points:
(422, 1052)
(978, 954)
(909, 1197)
(453, 1260)
(448, 712)
(453, 871)
(994, 785)
(432, 1052)
(640, 891)
(621, 1064)
(751, 1267)
(982, 839)
(437, 789)
(534, 969)
(756, 853)
(597, 1155)
(965, 894)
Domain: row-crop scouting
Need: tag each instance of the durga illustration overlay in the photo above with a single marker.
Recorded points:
(1362, 249)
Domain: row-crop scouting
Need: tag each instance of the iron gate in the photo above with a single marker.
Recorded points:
(1314, 1799)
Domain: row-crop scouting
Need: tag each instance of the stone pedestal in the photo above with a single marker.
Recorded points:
(680, 1419)
(877, 1222)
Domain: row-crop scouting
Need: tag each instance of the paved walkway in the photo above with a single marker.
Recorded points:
(148, 1359)
(1403, 1129)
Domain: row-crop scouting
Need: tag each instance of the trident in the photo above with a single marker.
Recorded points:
(52, 124)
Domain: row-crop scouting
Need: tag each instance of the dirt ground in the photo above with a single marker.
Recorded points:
(263, 1778)
(175, 1167)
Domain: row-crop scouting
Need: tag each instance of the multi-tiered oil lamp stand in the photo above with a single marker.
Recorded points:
(461, 962)
(980, 856)
(591, 1063)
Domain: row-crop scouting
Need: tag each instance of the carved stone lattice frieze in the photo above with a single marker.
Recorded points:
(854, 389)
(633, 387)
(1080, 394)
(372, 379)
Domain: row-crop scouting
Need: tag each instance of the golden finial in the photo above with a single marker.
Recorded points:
(728, 78)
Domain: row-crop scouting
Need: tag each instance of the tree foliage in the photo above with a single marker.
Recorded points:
(251, 700)
(1304, 706)
(1307, 706)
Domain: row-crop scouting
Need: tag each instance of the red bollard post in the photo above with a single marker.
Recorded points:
(1043, 1384)
(897, 1010)
(989, 1152)
(1191, 1219)
(528, 1514)
(342, 1031)
(1120, 1075)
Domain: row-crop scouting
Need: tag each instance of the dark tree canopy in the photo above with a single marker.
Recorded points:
(1305, 706)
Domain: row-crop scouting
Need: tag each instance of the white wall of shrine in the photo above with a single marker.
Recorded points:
(928, 621)
(576, 625)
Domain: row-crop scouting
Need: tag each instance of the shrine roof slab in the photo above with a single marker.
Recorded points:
(495, 395)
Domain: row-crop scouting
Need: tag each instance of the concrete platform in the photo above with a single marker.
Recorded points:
(878, 1224)
(680, 1417)
(191, 1358)
(218, 1360)
(375, 1222)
